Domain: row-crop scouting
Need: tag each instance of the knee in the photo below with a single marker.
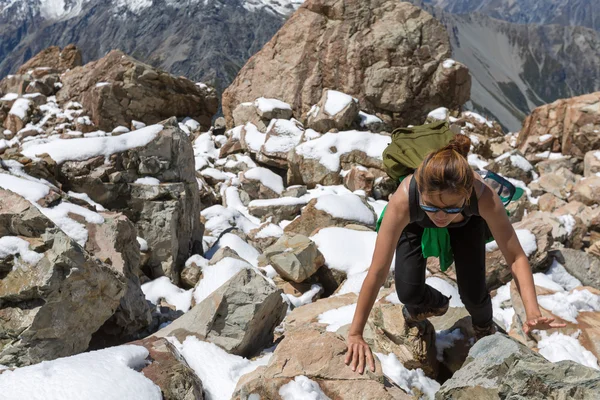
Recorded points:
(409, 294)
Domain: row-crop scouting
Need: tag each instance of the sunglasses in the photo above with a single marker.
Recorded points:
(506, 190)
(449, 210)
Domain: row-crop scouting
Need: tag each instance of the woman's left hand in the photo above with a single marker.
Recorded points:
(541, 323)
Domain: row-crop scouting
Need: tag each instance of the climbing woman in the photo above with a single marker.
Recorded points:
(443, 192)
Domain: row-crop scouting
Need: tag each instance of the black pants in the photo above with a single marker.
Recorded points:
(468, 246)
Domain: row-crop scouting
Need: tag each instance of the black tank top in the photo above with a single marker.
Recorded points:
(417, 215)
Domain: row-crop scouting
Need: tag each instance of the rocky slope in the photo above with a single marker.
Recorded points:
(550, 12)
(203, 40)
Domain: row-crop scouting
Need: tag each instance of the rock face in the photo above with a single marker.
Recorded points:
(118, 89)
(167, 214)
(573, 124)
(320, 357)
(499, 367)
(54, 58)
(53, 294)
(239, 317)
(382, 75)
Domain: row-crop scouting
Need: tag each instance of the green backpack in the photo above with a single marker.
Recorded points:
(409, 147)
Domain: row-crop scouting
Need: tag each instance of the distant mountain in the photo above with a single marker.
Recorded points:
(584, 13)
(205, 40)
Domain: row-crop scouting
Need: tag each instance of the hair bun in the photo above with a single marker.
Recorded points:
(461, 144)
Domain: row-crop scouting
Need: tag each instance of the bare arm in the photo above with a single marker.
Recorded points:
(394, 221)
(492, 210)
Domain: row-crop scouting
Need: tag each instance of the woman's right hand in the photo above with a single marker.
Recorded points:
(358, 350)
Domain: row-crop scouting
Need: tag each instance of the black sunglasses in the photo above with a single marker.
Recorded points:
(449, 210)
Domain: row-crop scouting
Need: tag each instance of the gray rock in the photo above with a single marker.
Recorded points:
(321, 121)
(277, 209)
(581, 265)
(240, 316)
(295, 258)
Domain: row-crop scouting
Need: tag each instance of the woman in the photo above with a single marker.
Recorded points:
(443, 192)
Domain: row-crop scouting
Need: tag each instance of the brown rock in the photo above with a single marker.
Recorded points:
(320, 120)
(587, 191)
(574, 122)
(549, 202)
(295, 258)
(383, 75)
(359, 178)
(560, 183)
(591, 163)
(135, 91)
(55, 58)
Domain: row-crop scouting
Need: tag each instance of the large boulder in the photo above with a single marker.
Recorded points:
(499, 367)
(295, 258)
(398, 74)
(118, 89)
(319, 356)
(53, 294)
(240, 316)
(571, 124)
(149, 176)
(54, 58)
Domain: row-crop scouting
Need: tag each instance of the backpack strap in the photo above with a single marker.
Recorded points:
(473, 207)
(416, 213)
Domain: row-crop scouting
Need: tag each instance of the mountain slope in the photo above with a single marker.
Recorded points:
(584, 13)
(207, 40)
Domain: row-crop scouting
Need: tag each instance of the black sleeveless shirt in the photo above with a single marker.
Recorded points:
(418, 216)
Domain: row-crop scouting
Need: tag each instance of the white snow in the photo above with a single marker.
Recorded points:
(520, 162)
(568, 221)
(368, 119)
(306, 297)
(337, 317)
(550, 156)
(32, 191)
(328, 148)
(198, 260)
(147, 180)
(191, 124)
(393, 298)
(213, 276)
(267, 105)
(281, 201)
(143, 244)
(218, 370)
(407, 379)
(558, 347)
(559, 274)
(253, 137)
(476, 161)
(266, 177)
(12, 245)
(336, 102)
(100, 84)
(135, 6)
(478, 118)
(270, 230)
(445, 340)
(75, 230)
(137, 124)
(163, 288)
(9, 97)
(219, 218)
(82, 149)
(448, 63)
(96, 375)
(439, 113)
(504, 315)
(283, 135)
(349, 207)
(545, 137)
(241, 247)
(568, 305)
(302, 388)
(542, 280)
(446, 289)
(120, 130)
(20, 108)
(216, 174)
(526, 238)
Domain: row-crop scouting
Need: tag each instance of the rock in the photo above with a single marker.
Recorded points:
(282, 136)
(319, 356)
(192, 272)
(19, 115)
(52, 308)
(167, 215)
(559, 183)
(295, 258)
(359, 178)
(335, 110)
(501, 367)
(55, 58)
(261, 183)
(240, 316)
(513, 165)
(574, 122)
(587, 191)
(498, 272)
(260, 111)
(549, 202)
(587, 214)
(551, 166)
(224, 252)
(317, 215)
(295, 191)
(383, 187)
(581, 265)
(264, 236)
(284, 208)
(384, 85)
(566, 229)
(169, 371)
(114, 242)
(135, 91)
(591, 163)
